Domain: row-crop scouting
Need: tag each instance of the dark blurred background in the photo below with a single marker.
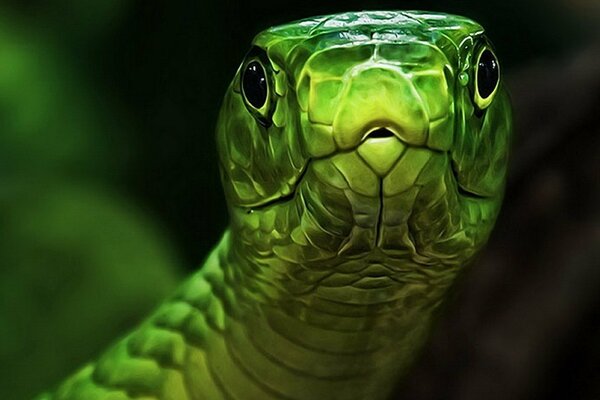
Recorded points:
(109, 190)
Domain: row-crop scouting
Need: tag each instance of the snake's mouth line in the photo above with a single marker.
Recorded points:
(378, 133)
(462, 190)
(285, 197)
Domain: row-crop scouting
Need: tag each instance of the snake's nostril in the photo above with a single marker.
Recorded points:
(380, 133)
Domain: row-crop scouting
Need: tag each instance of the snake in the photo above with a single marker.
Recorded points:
(363, 158)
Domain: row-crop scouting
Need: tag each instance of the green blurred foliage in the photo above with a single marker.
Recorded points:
(80, 260)
(47, 118)
(79, 267)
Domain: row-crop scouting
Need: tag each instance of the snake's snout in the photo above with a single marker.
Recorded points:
(372, 89)
(379, 101)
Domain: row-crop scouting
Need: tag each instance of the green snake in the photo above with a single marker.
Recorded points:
(363, 158)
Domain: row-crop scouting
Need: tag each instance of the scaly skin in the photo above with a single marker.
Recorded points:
(342, 244)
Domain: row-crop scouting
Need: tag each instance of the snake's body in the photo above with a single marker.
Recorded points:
(363, 158)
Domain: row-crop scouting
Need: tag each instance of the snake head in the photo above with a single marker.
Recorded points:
(370, 135)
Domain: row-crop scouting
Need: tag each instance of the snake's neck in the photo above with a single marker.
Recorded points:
(297, 331)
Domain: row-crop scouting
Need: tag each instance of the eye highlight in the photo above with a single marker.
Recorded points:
(487, 77)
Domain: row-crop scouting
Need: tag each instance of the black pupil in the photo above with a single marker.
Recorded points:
(254, 84)
(487, 74)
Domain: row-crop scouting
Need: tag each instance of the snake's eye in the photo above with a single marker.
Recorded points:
(254, 84)
(487, 77)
